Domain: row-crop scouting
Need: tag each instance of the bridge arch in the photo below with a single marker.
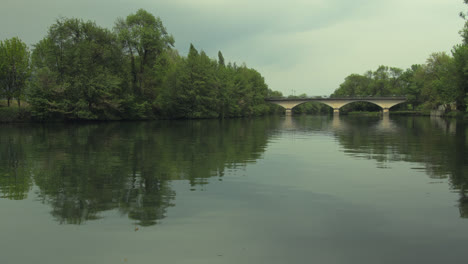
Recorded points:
(288, 105)
(319, 106)
(383, 104)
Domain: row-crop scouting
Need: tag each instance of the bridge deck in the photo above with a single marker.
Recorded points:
(396, 98)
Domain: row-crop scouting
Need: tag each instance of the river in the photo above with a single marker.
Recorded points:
(301, 189)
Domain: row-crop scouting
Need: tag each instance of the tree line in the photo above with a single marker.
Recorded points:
(441, 81)
(82, 71)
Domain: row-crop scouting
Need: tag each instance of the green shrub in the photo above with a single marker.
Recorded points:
(458, 114)
(14, 114)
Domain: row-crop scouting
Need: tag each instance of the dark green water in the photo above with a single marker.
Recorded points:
(268, 190)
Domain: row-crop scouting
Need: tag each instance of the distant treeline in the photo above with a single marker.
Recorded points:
(441, 81)
(83, 71)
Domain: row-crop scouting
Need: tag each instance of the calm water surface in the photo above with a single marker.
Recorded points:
(267, 190)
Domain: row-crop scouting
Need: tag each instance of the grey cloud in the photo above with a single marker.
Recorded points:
(306, 45)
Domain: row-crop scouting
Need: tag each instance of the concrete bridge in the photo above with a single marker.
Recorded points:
(336, 103)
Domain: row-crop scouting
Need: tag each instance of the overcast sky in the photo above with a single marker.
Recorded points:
(299, 46)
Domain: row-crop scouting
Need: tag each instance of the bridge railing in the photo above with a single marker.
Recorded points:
(295, 97)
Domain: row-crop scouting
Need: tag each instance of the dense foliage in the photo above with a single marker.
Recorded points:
(82, 71)
(438, 82)
(442, 82)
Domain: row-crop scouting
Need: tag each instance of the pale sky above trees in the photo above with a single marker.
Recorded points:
(299, 46)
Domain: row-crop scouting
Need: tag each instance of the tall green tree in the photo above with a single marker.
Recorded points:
(464, 31)
(221, 59)
(460, 55)
(411, 85)
(439, 82)
(354, 85)
(14, 69)
(78, 71)
(144, 40)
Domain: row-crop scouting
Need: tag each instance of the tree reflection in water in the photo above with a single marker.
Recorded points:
(438, 144)
(82, 170)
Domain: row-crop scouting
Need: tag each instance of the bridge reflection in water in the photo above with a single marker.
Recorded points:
(340, 123)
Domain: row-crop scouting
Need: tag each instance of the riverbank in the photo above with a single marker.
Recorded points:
(455, 114)
(15, 114)
(24, 114)
(401, 113)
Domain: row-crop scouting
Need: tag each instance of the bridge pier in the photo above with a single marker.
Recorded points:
(288, 112)
(336, 111)
(386, 111)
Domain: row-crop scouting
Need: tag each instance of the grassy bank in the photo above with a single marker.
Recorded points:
(362, 113)
(411, 113)
(454, 114)
(14, 114)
